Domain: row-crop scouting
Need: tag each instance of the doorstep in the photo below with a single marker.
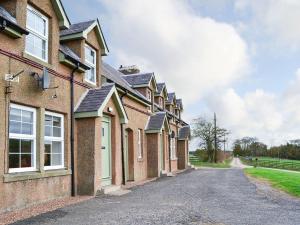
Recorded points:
(132, 184)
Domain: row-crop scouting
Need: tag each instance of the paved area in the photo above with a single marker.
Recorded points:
(206, 196)
(236, 163)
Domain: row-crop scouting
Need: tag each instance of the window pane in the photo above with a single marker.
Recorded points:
(56, 147)
(48, 131)
(48, 120)
(47, 159)
(27, 128)
(27, 116)
(47, 148)
(26, 146)
(26, 160)
(56, 132)
(14, 146)
(15, 127)
(30, 43)
(56, 160)
(15, 114)
(56, 122)
(14, 161)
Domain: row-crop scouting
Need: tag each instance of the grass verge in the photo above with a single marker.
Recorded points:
(225, 164)
(288, 182)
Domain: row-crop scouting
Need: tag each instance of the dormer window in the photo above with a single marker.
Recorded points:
(37, 40)
(90, 60)
(149, 95)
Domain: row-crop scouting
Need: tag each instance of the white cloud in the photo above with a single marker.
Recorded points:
(193, 54)
(278, 18)
(273, 118)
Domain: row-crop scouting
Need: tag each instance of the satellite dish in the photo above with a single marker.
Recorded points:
(45, 79)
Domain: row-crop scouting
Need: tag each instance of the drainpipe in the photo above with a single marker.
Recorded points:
(73, 189)
(122, 144)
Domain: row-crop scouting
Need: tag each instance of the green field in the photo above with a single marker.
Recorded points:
(274, 163)
(283, 180)
(194, 160)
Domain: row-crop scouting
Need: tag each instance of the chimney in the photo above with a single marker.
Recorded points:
(127, 70)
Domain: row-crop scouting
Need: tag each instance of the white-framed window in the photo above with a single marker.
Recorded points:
(149, 96)
(54, 141)
(22, 139)
(37, 39)
(140, 144)
(90, 60)
(173, 149)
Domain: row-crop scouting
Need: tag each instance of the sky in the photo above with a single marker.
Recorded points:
(238, 58)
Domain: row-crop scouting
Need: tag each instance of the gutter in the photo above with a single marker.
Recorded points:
(73, 188)
(122, 143)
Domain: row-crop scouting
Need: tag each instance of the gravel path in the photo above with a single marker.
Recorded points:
(205, 196)
(236, 163)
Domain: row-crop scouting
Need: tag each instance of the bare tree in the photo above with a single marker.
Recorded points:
(208, 135)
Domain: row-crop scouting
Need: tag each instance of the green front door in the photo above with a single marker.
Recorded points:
(106, 151)
(126, 156)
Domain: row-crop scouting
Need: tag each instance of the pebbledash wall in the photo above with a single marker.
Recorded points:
(19, 189)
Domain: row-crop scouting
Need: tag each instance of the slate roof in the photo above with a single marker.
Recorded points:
(11, 20)
(117, 77)
(171, 97)
(184, 133)
(160, 87)
(94, 99)
(77, 28)
(179, 103)
(156, 121)
(138, 79)
(72, 55)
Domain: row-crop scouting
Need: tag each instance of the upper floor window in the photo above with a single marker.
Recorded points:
(37, 40)
(149, 95)
(140, 148)
(54, 141)
(22, 139)
(90, 59)
(160, 102)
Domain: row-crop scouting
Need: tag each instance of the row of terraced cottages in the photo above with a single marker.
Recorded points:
(70, 123)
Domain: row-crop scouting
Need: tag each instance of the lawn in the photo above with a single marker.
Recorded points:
(283, 180)
(196, 162)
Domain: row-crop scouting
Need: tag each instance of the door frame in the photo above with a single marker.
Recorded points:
(107, 181)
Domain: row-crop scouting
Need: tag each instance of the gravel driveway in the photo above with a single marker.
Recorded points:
(206, 196)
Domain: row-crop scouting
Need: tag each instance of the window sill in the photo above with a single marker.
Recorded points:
(13, 177)
(37, 60)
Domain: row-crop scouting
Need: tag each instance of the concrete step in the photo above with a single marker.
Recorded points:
(108, 189)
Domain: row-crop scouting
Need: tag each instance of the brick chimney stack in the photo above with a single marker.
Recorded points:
(127, 70)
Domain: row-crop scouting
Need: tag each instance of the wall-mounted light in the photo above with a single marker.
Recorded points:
(110, 109)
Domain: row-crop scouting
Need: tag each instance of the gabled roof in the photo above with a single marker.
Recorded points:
(179, 103)
(64, 21)
(171, 98)
(117, 77)
(157, 122)
(95, 100)
(162, 89)
(184, 133)
(81, 30)
(72, 57)
(10, 24)
(140, 80)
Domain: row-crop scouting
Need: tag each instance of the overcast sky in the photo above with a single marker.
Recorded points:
(239, 58)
